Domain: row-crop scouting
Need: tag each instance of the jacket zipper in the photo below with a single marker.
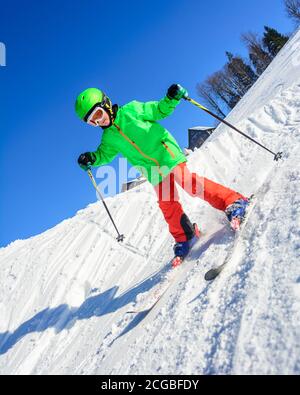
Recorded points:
(168, 149)
(138, 148)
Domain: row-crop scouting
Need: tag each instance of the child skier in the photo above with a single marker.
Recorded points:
(132, 130)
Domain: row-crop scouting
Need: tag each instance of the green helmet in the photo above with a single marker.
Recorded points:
(88, 100)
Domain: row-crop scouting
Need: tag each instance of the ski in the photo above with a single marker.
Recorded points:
(172, 271)
(150, 304)
(162, 287)
(171, 274)
(214, 273)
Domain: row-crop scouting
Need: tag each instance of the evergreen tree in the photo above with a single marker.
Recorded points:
(241, 73)
(273, 41)
(259, 57)
(224, 87)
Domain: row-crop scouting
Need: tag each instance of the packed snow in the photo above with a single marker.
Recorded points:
(66, 294)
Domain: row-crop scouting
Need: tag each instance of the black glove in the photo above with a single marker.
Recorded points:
(177, 92)
(86, 160)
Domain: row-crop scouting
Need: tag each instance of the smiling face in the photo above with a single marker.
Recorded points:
(99, 117)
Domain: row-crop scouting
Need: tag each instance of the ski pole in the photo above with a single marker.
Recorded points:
(120, 237)
(276, 156)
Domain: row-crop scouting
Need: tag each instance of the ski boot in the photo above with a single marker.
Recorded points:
(182, 249)
(236, 213)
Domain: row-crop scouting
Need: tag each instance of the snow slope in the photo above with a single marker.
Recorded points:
(64, 294)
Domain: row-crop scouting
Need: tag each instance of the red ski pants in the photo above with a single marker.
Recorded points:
(215, 194)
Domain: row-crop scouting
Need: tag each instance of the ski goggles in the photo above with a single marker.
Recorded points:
(96, 116)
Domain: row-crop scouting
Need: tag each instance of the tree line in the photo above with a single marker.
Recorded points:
(222, 90)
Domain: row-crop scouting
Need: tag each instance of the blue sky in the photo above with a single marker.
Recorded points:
(132, 50)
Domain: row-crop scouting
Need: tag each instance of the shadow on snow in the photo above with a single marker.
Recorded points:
(64, 317)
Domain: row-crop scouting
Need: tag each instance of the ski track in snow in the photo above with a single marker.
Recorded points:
(65, 294)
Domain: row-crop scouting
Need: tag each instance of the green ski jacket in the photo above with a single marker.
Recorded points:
(146, 144)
